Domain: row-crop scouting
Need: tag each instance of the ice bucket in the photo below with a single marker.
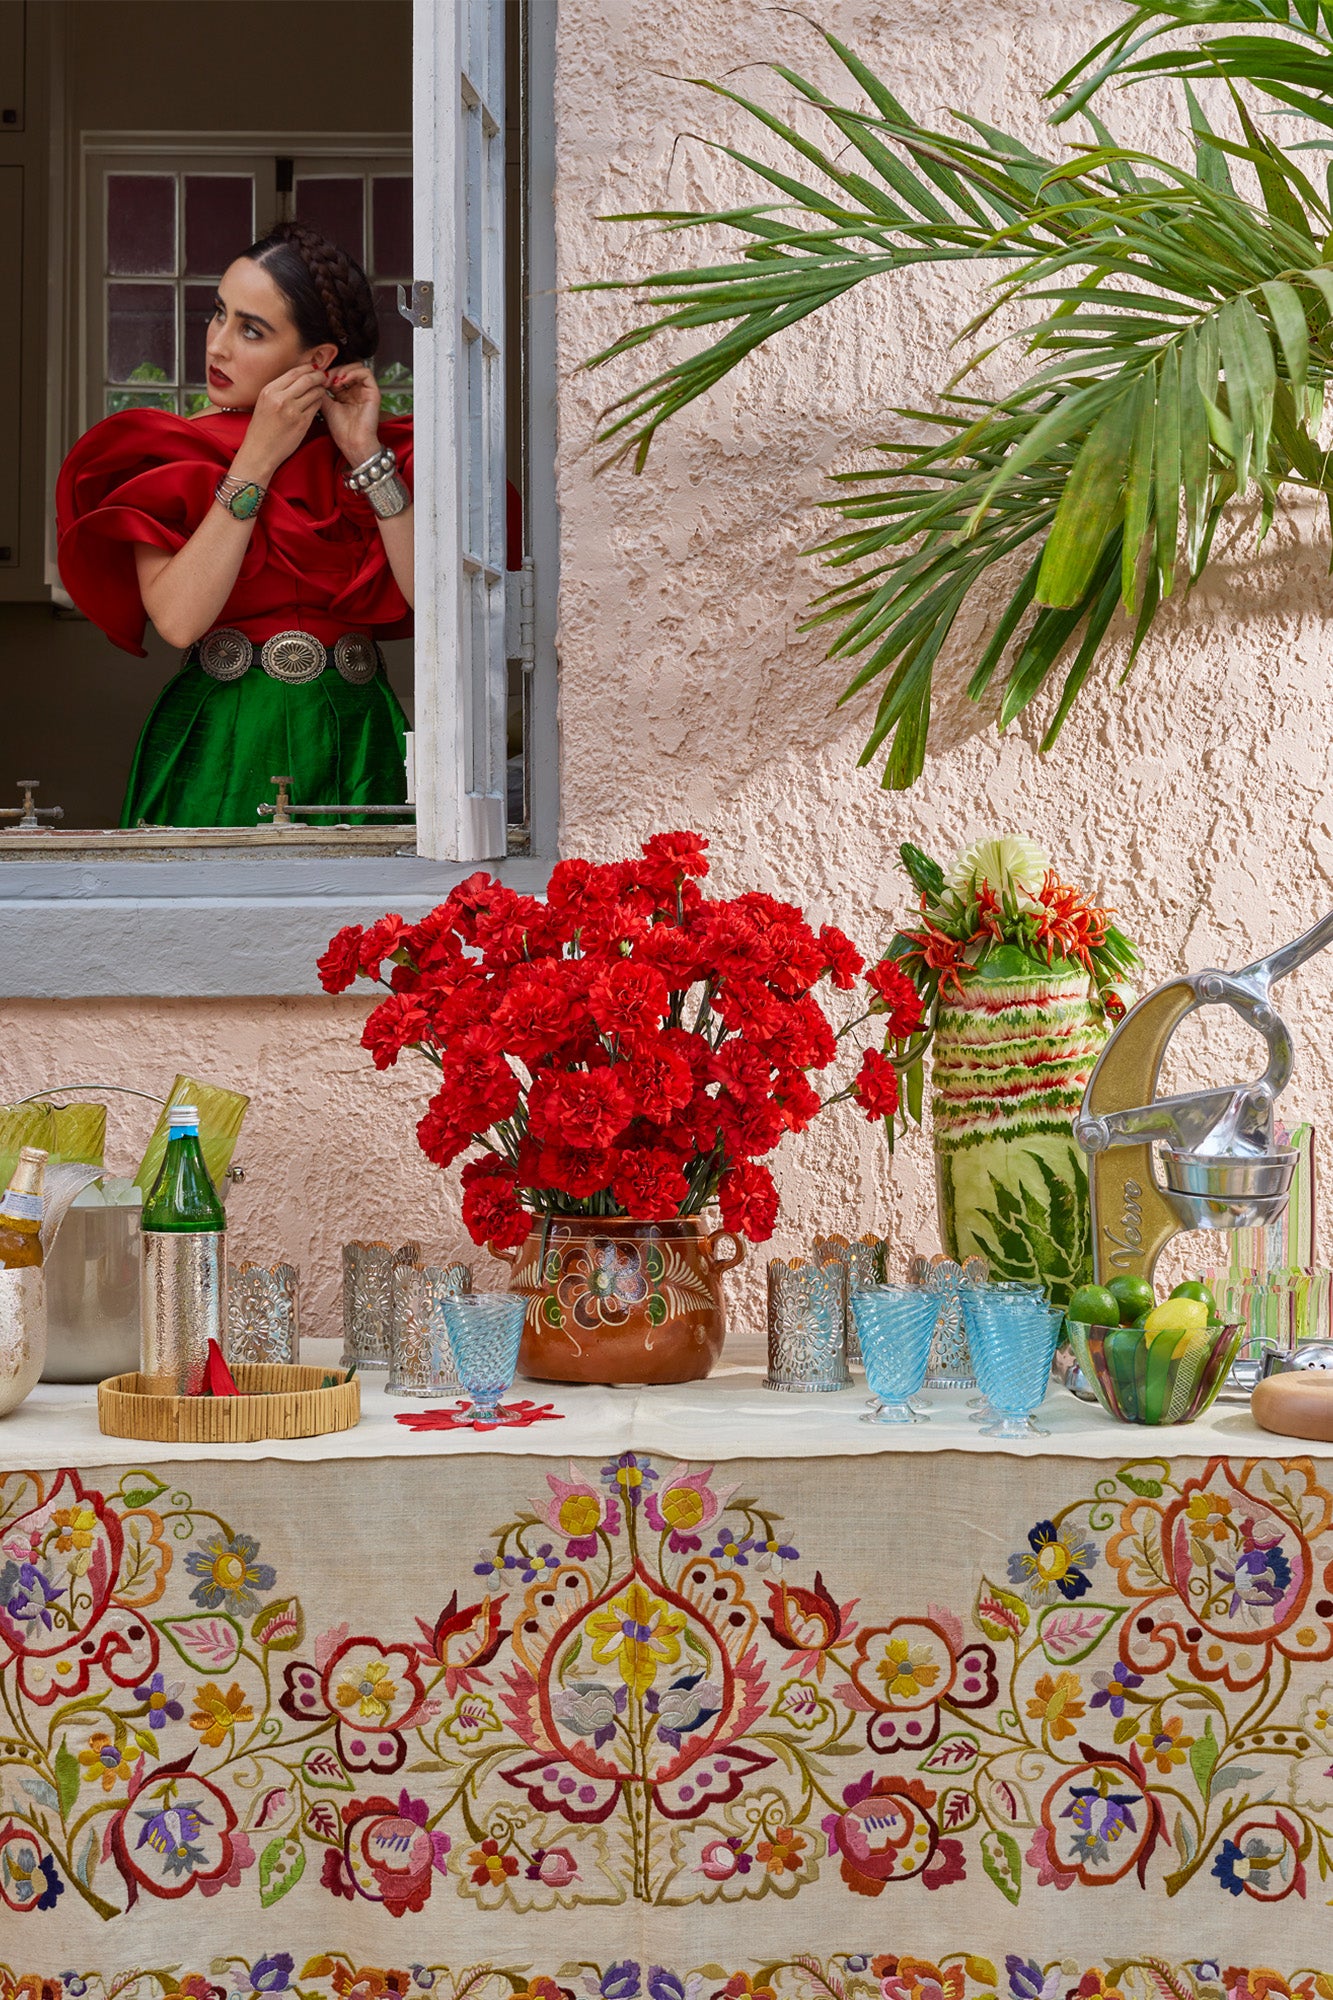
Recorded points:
(92, 1292)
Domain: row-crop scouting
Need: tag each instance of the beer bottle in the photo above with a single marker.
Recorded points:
(21, 1213)
(181, 1295)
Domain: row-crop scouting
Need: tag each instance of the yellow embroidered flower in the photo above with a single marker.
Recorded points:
(639, 1633)
(372, 1696)
(579, 1514)
(77, 1527)
(216, 1714)
(104, 1761)
(906, 1670)
(1207, 1515)
(682, 1508)
(1057, 1703)
(1166, 1746)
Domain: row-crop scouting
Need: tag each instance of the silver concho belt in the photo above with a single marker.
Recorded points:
(289, 656)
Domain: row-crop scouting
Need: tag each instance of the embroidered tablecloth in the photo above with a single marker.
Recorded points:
(554, 1713)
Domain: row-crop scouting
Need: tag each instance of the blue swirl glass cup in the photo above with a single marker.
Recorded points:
(484, 1330)
(1012, 1335)
(895, 1325)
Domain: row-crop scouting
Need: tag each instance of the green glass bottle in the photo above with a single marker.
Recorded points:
(182, 1281)
(183, 1199)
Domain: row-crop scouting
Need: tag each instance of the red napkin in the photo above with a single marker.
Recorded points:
(513, 1416)
(218, 1380)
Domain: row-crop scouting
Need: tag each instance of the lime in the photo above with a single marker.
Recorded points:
(1133, 1296)
(1093, 1305)
(1177, 1316)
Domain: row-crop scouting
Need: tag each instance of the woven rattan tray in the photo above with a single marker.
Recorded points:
(281, 1402)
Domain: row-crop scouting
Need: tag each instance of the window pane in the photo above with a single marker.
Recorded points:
(219, 221)
(141, 333)
(334, 204)
(395, 333)
(140, 223)
(391, 210)
(198, 313)
(127, 399)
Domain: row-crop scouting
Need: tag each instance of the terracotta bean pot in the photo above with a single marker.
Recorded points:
(611, 1300)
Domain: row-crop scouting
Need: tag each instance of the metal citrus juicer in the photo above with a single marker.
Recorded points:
(1220, 1166)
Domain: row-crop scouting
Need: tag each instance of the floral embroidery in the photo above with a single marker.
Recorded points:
(647, 1699)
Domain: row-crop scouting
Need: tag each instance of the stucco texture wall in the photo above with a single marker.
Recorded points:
(1198, 799)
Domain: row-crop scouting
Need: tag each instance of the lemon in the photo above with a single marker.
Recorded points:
(1177, 1316)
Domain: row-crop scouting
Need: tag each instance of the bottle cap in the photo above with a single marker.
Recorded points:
(183, 1115)
(33, 1154)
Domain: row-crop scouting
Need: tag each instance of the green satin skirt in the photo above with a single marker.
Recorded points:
(210, 749)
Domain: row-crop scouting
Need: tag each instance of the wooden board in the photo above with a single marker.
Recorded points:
(283, 1402)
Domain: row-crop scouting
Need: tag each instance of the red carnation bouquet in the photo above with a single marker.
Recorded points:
(626, 1047)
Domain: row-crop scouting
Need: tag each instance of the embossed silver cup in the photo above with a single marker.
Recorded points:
(368, 1300)
(951, 1365)
(867, 1261)
(262, 1322)
(421, 1361)
(807, 1325)
(22, 1334)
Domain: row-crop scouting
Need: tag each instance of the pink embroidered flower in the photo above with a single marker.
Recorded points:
(391, 1853)
(555, 1867)
(684, 1503)
(721, 1859)
(580, 1513)
(1050, 1875)
(242, 1856)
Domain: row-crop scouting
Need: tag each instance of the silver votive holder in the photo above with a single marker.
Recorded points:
(867, 1261)
(421, 1362)
(262, 1323)
(368, 1300)
(807, 1326)
(951, 1365)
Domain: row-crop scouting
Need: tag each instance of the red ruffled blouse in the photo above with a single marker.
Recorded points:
(315, 561)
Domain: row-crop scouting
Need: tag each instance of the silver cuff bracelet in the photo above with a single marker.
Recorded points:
(388, 496)
(362, 477)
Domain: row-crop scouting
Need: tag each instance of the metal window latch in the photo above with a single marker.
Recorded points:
(419, 310)
(284, 813)
(30, 815)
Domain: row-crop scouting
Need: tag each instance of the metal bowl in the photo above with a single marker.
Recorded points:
(1309, 1354)
(1227, 1191)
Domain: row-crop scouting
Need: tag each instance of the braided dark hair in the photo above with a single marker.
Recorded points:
(326, 290)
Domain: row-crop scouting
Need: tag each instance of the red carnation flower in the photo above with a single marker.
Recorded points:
(674, 953)
(743, 1073)
(491, 1211)
(381, 941)
(752, 1127)
(627, 998)
(563, 1170)
(797, 1100)
(476, 1080)
(342, 961)
(439, 1133)
(797, 1034)
(580, 889)
(876, 1086)
(659, 1079)
(540, 1011)
(841, 958)
(579, 1107)
(895, 996)
(397, 1023)
(668, 858)
(749, 1201)
(649, 1184)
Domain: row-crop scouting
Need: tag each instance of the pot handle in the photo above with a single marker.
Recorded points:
(724, 1263)
(511, 1255)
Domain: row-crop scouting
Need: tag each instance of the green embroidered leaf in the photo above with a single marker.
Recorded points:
(1000, 1859)
(954, 1753)
(1125, 1728)
(281, 1866)
(1232, 1774)
(210, 1642)
(1184, 1837)
(67, 1777)
(1204, 1752)
(320, 1766)
(570, 1656)
(280, 1625)
(1147, 1489)
(1070, 1632)
(140, 1488)
(998, 1613)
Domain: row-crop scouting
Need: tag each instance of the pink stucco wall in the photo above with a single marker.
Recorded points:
(1198, 800)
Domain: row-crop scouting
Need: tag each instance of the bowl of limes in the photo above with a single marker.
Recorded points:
(1151, 1363)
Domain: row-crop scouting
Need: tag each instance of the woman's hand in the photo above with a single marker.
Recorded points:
(352, 411)
(283, 413)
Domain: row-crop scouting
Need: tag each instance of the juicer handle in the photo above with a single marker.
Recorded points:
(1267, 971)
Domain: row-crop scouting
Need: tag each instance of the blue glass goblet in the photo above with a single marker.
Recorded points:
(894, 1324)
(1012, 1335)
(484, 1331)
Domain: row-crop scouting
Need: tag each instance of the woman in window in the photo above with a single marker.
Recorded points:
(270, 538)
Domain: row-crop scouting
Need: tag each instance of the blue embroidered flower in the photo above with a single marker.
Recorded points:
(1113, 1687)
(685, 1706)
(1099, 1819)
(629, 1475)
(620, 1982)
(1056, 1565)
(772, 1554)
(272, 1974)
(231, 1578)
(28, 1593)
(1027, 1981)
(1260, 1577)
(536, 1567)
(727, 1550)
(160, 1701)
(423, 1976)
(664, 1985)
(29, 1876)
